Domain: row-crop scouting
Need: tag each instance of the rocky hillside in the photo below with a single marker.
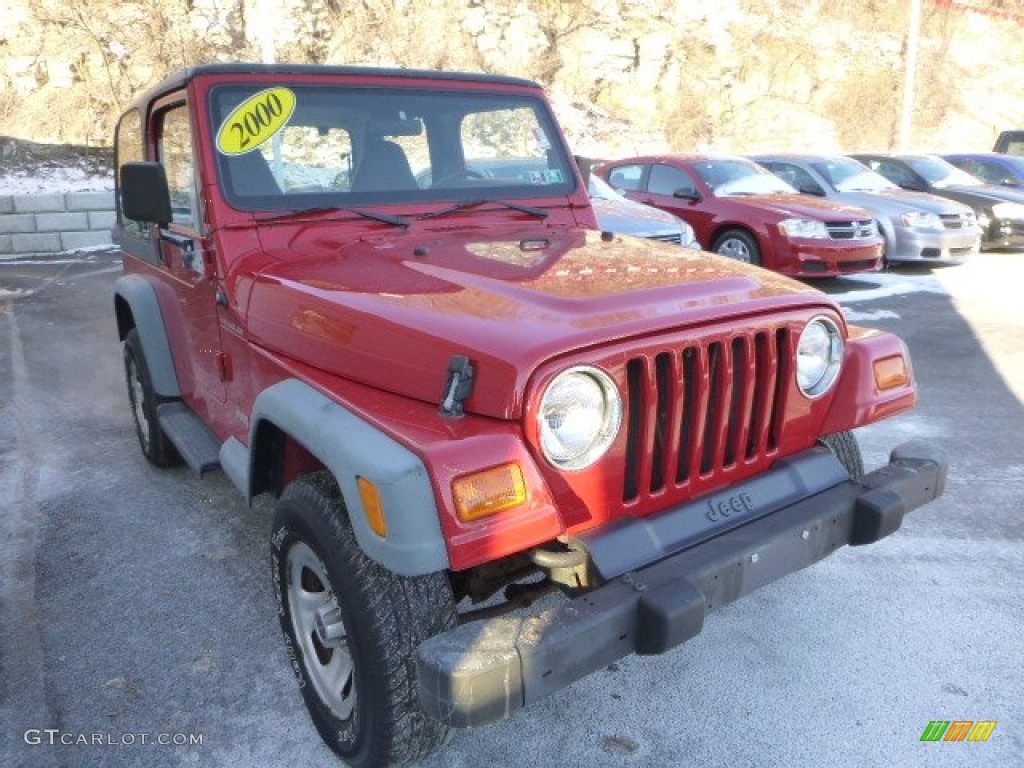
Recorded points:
(625, 75)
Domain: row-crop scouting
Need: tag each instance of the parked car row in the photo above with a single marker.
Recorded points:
(615, 213)
(827, 215)
(914, 226)
(1000, 210)
(741, 210)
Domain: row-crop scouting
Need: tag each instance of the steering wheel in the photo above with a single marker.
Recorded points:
(462, 173)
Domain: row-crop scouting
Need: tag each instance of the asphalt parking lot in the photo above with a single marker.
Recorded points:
(138, 601)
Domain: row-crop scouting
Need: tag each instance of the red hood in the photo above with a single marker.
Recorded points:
(375, 312)
(787, 205)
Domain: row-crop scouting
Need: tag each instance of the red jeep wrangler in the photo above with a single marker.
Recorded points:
(461, 393)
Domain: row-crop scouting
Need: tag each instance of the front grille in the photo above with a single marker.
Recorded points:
(849, 230)
(677, 238)
(703, 409)
(957, 220)
(858, 265)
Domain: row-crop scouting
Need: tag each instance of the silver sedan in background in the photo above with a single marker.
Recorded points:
(623, 216)
(917, 227)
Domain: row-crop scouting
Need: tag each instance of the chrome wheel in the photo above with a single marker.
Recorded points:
(143, 400)
(735, 248)
(318, 626)
(137, 393)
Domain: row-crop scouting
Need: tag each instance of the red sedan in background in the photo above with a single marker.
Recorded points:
(739, 209)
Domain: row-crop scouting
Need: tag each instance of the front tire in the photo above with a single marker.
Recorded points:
(738, 244)
(156, 447)
(846, 448)
(351, 630)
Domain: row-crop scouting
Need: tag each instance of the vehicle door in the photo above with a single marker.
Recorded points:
(187, 255)
(673, 190)
(628, 180)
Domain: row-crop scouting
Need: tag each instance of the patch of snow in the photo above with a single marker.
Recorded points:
(53, 180)
(92, 248)
(870, 316)
(17, 293)
(43, 260)
(887, 285)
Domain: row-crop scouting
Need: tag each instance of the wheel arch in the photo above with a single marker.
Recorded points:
(136, 306)
(887, 231)
(728, 226)
(296, 429)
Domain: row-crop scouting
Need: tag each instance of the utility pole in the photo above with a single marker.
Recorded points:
(264, 13)
(909, 76)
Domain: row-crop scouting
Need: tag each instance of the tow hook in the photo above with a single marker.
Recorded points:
(567, 564)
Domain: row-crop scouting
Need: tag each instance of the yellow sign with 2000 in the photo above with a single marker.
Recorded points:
(255, 120)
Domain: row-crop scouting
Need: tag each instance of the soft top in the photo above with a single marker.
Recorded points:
(180, 78)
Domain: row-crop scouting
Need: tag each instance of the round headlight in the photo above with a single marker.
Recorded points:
(580, 414)
(819, 356)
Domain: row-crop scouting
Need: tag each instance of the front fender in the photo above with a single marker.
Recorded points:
(858, 399)
(350, 447)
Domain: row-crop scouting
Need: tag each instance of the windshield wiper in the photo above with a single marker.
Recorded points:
(398, 221)
(538, 212)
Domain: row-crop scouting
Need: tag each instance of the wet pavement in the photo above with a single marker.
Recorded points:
(136, 602)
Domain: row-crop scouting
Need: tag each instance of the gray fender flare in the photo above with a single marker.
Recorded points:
(139, 294)
(350, 447)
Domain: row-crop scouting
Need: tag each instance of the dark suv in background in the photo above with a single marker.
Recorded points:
(1010, 143)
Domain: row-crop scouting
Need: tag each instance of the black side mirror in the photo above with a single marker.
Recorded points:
(913, 185)
(144, 193)
(688, 194)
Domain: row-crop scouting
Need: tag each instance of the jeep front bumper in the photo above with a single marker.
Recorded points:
(483, 671)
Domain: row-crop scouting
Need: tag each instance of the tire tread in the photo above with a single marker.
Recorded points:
(405, 611)
(846, 448)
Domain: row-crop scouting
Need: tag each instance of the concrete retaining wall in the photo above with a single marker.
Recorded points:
(51, 223)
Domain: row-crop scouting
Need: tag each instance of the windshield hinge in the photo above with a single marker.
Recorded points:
(459, 386)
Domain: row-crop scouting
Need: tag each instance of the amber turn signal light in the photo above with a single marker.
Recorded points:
(891, 372)
(484, 493)
(373, 507)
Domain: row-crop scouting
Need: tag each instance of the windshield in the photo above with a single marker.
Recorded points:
(850, 176)
(939, 173)
(297, 147)
(740, 177)
(1016, 162)
(1011, 166)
